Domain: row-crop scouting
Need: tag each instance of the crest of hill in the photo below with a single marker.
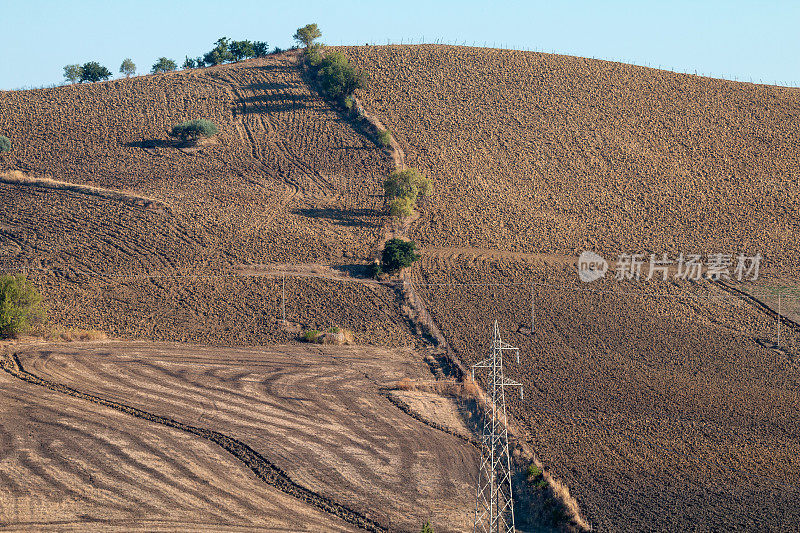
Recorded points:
(536, 152)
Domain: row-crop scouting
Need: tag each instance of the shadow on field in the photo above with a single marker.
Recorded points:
(271, 103)
(341, 217)
(355, 271)
(156, 143)
(271, 86)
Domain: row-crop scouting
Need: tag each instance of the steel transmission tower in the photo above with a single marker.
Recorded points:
(494, 505)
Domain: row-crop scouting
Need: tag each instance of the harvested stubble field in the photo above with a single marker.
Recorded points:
(316, 413)
(661, 412)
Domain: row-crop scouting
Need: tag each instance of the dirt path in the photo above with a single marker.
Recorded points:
(18, 178)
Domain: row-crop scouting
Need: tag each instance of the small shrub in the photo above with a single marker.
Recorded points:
(311, 335)
(20, 305)
(188, 63)
(375, 270)
(277, 50)
(398, 254)
(426, 528)
(338, 78)
(384, 138)
(313, 56)
(194, 129)
(408, 183)
(536, 476)
(5, 144)
(333, 335)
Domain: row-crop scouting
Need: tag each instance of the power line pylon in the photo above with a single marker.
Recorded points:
(494, 503)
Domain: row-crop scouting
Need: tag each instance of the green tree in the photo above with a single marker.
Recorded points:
(163, 65)
(402, 207)
(307, 34)
(94, 71)
(20, 305)
(128, 68)
(338, 78)
(403, 189)
(242, 50)
(5, 144)
(72, 73)
(188, 63)
(408, 183)
(194, 129)
(260, 48)
(398, 254)
(220, 53)
(426, 528)
(199, 62)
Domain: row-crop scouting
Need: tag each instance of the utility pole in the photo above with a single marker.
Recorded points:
(494, 502)
(779, 319)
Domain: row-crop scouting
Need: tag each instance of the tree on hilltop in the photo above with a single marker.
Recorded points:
(242, 50)
(220, 53)
(189, 63)
(260, 48)
(128, 67)
(307, 34)
(163, 65)
(72, 73)
(93, 72)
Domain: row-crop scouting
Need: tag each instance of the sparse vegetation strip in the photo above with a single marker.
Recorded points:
(14, 177)
(264, 469)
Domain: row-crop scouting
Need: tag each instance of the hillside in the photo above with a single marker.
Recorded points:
(542, 153)
(662, 405)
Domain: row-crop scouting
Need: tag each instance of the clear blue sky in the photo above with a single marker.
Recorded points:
(748, 40)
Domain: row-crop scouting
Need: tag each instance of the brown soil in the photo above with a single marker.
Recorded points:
(316, 413)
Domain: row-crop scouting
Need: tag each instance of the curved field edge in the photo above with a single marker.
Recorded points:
(18, 178)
